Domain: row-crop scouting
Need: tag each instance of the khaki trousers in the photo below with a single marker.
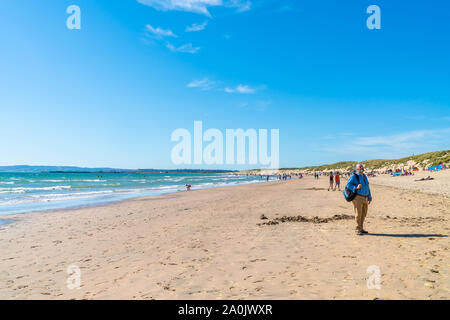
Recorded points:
(360, 205)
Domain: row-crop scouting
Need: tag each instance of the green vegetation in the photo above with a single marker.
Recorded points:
(345, 165)
(421, 160)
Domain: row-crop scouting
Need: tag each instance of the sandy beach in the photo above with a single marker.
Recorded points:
(213, 244)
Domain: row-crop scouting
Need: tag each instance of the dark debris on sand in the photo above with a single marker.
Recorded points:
(305, 219)
(415, 219)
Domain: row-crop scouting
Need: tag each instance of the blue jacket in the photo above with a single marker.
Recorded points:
(352, 183)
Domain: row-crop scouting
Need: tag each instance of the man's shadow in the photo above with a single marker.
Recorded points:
(407, 235)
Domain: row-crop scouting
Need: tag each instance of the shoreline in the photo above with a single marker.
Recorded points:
(15, 217)
(4, 216)
(209, 244)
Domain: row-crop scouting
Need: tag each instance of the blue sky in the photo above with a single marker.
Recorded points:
(112, 93)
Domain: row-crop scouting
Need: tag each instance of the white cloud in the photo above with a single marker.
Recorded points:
(241, 5)
(391, 146)
(186, 48)
(245, 89)
(208, 84)
(398, 139)
(158, 32)
(240, 89)
(203, 84)
(196, 27)
(196, 6)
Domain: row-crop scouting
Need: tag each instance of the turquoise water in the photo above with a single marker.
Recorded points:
(26, 192)
(5, 221)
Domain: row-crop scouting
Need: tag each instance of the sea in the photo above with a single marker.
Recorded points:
(28, 192)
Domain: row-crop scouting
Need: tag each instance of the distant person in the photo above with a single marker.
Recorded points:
(359, 183)
(188, 187)
(331, 182)
(337, 181)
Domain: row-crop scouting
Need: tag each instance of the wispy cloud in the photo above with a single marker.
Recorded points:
(196, 6)
(258, 105)
(186, 48)
(240, 89)
(394, 145)
(158, 32)
(241, 5)
(203, 84)
(196, 27)
(208, 84)
(396, 139)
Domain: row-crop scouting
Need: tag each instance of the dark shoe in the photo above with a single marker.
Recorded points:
(359, 233)
(364, 231)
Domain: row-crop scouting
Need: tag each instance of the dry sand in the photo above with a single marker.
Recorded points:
(440, 185)
(211, 244)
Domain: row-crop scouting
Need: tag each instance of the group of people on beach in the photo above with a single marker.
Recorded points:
(334, 178)
(281, 177)
(358, 184)
(284, 176)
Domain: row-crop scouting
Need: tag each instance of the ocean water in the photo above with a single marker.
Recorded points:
(26, 192)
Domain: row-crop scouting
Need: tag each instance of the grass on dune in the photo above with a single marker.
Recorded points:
(422, 160)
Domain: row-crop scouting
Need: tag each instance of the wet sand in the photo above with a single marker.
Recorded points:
(213, 244)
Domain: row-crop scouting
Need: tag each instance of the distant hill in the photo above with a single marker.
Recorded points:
(26, 168)
(35, 169)
(421, 160)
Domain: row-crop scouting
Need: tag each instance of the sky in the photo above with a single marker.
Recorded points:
(111, 93)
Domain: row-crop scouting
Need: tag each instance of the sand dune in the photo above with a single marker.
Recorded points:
(213, 244)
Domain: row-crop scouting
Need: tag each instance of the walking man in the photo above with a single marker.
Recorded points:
(359, 183)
